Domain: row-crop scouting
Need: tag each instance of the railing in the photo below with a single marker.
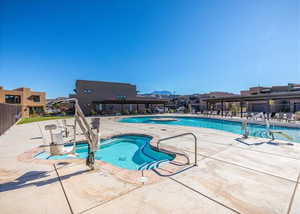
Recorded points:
(9, 115)
(181, 135)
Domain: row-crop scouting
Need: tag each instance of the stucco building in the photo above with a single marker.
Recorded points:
(99, 97)
(31, 102)
(272, 99)
(274, 105)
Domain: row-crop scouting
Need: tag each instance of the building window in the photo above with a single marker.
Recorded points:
(35, 98)
(35, 110)
(12, 99)
(87, 91)
(98, 107)
(121, 97)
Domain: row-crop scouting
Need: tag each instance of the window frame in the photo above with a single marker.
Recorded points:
(16, 98)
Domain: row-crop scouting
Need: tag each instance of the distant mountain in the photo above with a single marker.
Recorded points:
(162, 93)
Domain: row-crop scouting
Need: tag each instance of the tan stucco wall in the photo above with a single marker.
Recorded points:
(25, 94)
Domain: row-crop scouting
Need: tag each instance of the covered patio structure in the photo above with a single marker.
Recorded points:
(290, 99)
(136, 104)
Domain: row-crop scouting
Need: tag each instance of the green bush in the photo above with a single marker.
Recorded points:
(125, 112)
(186, 110)
(37, 119)
(171, 111)
(93, 112)
(234, 108)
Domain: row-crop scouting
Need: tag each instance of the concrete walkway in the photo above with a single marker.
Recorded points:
(230, 177)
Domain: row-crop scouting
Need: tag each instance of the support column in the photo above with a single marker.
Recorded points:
(268, 109)
(241, 106)
(268, 106)
(222, 108)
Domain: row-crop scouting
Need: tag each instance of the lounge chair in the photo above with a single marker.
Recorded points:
(276, 116)
(290, 117)
(214, 113)
(281, 116)
(228, 114)
(272, 116)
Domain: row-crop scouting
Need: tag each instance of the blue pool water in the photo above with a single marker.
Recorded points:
(224, 125)
(127, 151)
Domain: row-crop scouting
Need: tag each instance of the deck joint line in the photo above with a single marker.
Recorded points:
(262, 172)
(206, 196)
(250, 149)
(63, 189)
(234, 164)
(207, 156)
(112, 199)
(293, 195)
(269, 153)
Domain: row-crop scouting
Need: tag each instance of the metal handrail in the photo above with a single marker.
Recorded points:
(184, 134)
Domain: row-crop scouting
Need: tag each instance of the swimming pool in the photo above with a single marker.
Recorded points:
(219, 124)
(126, 151)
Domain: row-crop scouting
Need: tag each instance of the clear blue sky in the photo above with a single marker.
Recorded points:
(178, 45)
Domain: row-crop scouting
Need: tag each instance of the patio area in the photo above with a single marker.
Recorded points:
(231, 177)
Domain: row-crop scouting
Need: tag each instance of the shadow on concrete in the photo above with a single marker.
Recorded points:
(29, 179)
(278, 144)
(36, 138)
(241, 140)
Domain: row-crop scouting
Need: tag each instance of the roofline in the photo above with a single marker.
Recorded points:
(21, 89)
(279, 95)
(94, 81)
(133, 101)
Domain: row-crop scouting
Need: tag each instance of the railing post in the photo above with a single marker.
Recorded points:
(241, 108)
(222, 106)
(196, 158)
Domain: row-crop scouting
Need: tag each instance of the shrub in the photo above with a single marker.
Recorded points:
(186, 110)
(234, 108)
(125, 112)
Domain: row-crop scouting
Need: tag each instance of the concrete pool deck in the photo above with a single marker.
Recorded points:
(231, 177)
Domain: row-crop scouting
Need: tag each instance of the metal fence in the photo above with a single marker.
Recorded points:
(9, 115)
